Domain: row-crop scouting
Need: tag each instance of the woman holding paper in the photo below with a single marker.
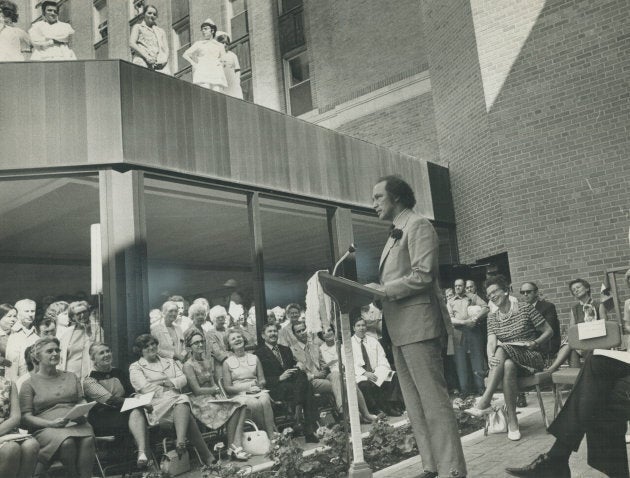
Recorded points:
(45, 399)
(164, 377)
(513, 344)
(209, 404)
(109, 387)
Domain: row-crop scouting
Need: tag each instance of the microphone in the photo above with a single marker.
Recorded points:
(350, 250)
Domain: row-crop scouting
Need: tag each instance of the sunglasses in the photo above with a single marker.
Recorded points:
(525, 292)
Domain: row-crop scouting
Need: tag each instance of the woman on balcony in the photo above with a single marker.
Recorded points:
(149, 44)
(207, 57)
(50, 37)
(231, 68)
(12, 39)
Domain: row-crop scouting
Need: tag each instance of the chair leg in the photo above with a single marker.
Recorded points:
(542, 407)
(557, 389)
(99, 465)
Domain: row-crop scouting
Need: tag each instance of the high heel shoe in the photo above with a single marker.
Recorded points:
(514, 435)
(237, 453)
(142, 461)
(181, 448)
(478, 412)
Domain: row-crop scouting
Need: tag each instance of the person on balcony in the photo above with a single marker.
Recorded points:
(207, 57)
(51, 37)
(13, 40)
(231, 68)
(149, 44)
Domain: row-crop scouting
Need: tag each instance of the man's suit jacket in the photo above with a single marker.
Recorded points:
(272, 368)
(413, 310)
(167, 347)
(548, 311)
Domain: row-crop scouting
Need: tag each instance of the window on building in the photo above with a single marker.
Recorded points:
(298, 84)
(239, 32)
(99, 20)
(181, 42)
(285, 6)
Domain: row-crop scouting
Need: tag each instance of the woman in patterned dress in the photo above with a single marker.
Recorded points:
(149, 44)
(513, 340)
(208, 403)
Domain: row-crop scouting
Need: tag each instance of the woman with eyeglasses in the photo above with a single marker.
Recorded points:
(45, 399)
(231, 68)
(76, 339)
(164, 377)
(513, 342)
(209, 405)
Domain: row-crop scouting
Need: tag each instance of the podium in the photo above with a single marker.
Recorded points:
(349, 296)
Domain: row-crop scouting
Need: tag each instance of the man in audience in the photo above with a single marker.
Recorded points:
(286, 382)
(286, 336)
(467, 310)
(529, 293)
(182, 320)
(45, 326)
(22, 335)
(169, 335)
(370, 363)
(307, 353)
(599, 406)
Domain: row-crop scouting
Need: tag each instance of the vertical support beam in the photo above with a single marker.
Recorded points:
(125, 280)
(258, 271)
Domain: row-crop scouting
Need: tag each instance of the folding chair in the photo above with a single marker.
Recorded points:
(568, 375)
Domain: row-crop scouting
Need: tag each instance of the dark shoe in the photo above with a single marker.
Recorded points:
(428, 474)
(543, 467)
(393, 412)
(311, 438)
(521, 400)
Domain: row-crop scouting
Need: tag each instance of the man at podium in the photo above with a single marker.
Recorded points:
(413, 316)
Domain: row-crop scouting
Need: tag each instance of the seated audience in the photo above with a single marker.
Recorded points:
(244, 381)
(18, 457)
(8, 318)
(109, 387)
(209, 405)
(369, 360)
(149, 43)
(330, 358)
(169, 335)
(286, 382)
(164, 377)
(530, 294)
(586, 310)
(598, 406)
(45, 398)
(51, 37)
(76, 340)
(22, 335)
(513, 343)
(13, 40)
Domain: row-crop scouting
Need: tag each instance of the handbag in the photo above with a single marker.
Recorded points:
(496, 421)
(172, 464)
(256, 442)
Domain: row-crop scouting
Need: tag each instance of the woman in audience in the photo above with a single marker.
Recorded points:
(8, 317)
(50, 37)
(109, 387)
(18, 457)
(149, 44)
(206, 407)
(152, 373)
(244, 381)
(206, 57)
(231, 68)
(512, 350)
(12, 39)
(58, 311)
(76, 340)
(45, 398)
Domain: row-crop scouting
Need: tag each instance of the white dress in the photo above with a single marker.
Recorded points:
(11, 40)
(209, 55)
(230, 67)
(42, 35)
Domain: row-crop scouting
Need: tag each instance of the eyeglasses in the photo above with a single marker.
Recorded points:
(196, 342)
(495, 292)
(525, 292)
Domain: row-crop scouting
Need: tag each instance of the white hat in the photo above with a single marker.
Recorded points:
(208, 21)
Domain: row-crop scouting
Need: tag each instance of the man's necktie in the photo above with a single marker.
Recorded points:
(276, 352)
(366, 358)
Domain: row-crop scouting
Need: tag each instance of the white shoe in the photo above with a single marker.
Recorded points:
(514, 435)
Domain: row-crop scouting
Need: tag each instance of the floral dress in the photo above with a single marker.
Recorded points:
(212, 411)
(513, 330)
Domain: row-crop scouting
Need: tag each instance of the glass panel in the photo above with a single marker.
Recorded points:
(102, 51)
(300, 97)
(286, 5)
(238, 6)
(299, 69)
(295, 246)
(135, 8)
(181, 42)
(246, 86)
(197, 240)
(240, 27)
(45, 238)
(179, 10)
(241, 50)
(99, 16)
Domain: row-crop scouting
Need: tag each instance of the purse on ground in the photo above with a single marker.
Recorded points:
(172, 464)
(256, 442)
(496, 421)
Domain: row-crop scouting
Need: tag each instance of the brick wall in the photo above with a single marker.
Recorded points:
(408, 127)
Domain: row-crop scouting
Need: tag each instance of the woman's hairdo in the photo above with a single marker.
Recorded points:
(498, 280)
(399, 190)
(49, 3)
(226, 338)
(584, 282)
(142, 341)
(5, 309)
(72, 309)
(190, 333)
(9, 9)
(94, 348)
(39, 344)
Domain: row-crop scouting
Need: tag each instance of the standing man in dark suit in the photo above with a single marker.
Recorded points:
(529, 292)
(418, 326)
(285, 381)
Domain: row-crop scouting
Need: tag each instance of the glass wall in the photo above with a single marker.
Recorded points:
(197, 239)
(296, 244)
(45, 238)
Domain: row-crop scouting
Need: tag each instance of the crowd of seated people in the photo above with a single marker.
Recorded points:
(49, 39)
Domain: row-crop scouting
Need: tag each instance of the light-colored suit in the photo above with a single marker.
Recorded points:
(418, 324)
